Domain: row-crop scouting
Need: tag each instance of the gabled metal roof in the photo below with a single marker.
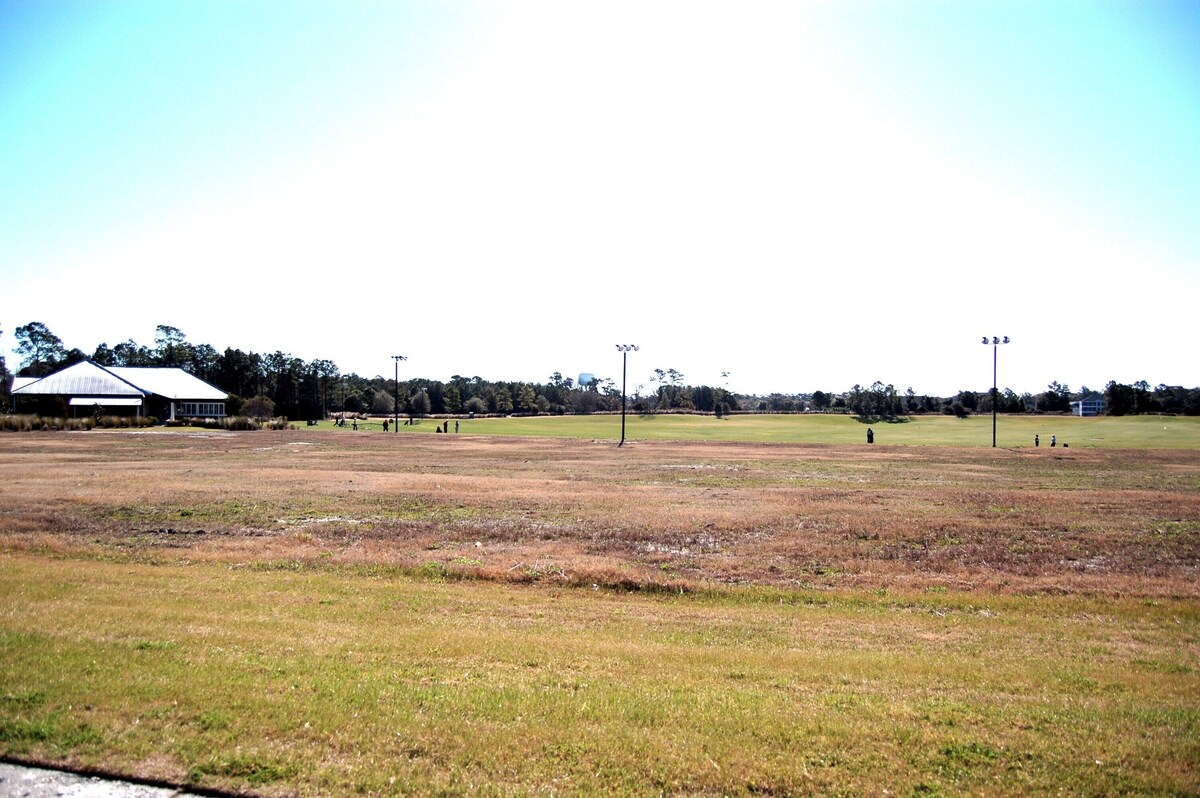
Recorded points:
(82, 379)
(169, 382)
(93, 380)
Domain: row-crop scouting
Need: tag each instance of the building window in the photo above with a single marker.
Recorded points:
(200, 408)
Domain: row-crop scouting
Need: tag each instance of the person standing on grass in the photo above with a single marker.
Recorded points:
(1036, 440)
(1053, 441)
(870, 435)
(456, 426)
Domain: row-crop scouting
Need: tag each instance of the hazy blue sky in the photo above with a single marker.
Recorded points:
(805, 194)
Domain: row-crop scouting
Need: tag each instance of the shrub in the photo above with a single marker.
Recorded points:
(28, 423)
(260, 407)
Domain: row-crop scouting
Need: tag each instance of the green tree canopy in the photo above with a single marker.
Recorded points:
(5, 380)
(418, 404)
(171, 346)
(42, 351)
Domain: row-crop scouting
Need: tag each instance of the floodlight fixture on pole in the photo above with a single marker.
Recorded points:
(624, 349)
(995, 341)
(396, 393)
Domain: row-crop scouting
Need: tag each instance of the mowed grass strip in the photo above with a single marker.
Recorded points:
(331, 680)
(1106, 432)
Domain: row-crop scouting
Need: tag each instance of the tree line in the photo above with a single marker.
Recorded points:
(281, 384)
(884, 401)
(293, 387)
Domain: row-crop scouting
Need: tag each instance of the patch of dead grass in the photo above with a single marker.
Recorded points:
(655, 514)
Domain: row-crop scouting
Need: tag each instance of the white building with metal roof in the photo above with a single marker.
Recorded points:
(1088, 406)
(163, 392)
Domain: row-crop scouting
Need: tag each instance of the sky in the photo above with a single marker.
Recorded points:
(772, 197)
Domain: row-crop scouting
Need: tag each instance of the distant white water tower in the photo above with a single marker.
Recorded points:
(586, 379)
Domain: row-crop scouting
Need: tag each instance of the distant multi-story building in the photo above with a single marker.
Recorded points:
(1092, 405)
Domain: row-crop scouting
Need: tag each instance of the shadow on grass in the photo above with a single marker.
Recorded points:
(882, 419)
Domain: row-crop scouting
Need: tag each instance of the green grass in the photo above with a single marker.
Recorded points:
(337, 680)
(1132, 432)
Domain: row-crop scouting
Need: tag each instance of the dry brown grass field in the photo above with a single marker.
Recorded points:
(660, 515)
(314, 613)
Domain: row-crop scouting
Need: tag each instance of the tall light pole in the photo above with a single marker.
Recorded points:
(995, 341)
(624, 349)
(396, 394)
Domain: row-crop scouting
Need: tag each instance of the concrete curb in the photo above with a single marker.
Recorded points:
(31, 781)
